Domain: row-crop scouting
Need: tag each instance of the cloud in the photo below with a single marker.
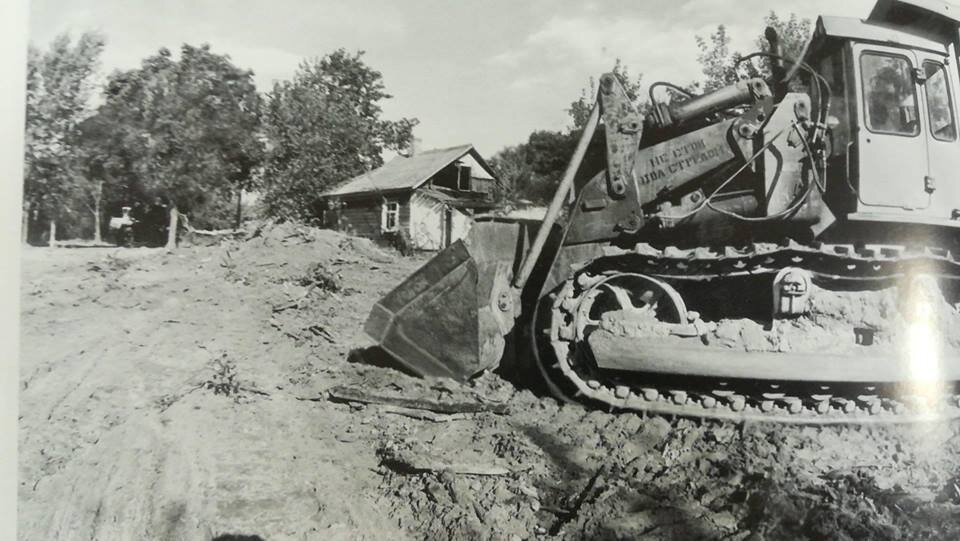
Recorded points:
(269, 37)
(650, 39)
(588, 44)
(488, 72)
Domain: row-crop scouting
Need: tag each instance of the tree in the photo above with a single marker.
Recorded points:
(97, 160)
(722, 67)
(717, 61)
(580, 109)
(513, 171)
(793, 31)
(184, 131)
(324, 127)
(59, 82)
(532, 170)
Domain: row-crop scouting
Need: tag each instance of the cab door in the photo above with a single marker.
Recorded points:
(938, 94)
(892, 146)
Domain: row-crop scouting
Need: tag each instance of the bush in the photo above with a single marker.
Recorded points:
(224, 378)
(401, 242)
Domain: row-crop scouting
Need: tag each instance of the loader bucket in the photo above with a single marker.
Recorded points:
(444, 320)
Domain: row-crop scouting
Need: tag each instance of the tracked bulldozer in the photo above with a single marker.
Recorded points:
(786, 247)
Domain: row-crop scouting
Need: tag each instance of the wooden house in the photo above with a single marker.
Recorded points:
(431, 195)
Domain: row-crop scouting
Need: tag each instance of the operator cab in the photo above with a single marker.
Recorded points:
(893, 152)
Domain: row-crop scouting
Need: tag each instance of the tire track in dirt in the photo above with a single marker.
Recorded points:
(135, 484)
(104, 377)
(86, 393)
(131, 465)
(279, 469)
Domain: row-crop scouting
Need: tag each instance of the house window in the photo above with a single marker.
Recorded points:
(390, 216)
(463, 177)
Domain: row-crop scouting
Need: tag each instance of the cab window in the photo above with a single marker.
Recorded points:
(831, 68)
(889, 94)
(942, 124)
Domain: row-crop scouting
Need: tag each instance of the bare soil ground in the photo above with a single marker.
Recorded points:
(185, 396)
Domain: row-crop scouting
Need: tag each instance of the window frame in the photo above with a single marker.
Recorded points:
(460, 180)
(385, 215)
(863, 94)
(946, 83)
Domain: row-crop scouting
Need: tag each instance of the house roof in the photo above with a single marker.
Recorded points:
(406, 173)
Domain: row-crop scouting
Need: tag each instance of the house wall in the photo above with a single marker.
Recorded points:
(476, 171)
(480, 180)
(426, 223)
(462, 223)
(420, 215)
(480, 184)
(361, 216)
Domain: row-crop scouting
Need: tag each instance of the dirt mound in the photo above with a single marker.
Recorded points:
(197, 396)
(292, 233)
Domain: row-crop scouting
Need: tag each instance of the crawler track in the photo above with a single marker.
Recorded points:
(571, 373)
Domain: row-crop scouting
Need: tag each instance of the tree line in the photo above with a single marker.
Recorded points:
(184, 136)
(530, 171)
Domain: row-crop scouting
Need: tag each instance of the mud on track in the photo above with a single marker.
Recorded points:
(161, 396)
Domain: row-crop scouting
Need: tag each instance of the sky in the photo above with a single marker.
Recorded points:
(487, 72)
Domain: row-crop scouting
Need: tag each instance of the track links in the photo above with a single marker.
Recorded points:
(738, 401)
